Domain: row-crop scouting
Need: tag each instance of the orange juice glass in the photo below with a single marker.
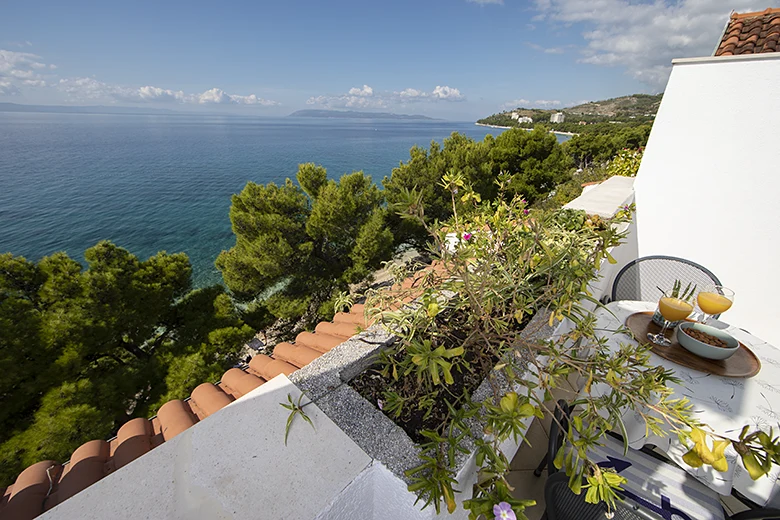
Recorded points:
(672, 309)
(714, 299)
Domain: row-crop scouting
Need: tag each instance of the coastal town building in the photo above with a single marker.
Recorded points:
(557, 117)
(520, 118)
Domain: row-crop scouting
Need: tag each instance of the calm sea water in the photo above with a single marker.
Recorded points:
(164, 182)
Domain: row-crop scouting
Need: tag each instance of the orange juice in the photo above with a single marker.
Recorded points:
(674, 309)
(713, 303)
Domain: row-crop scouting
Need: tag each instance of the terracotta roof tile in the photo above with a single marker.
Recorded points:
(238, 383)
(26, 501)
(207, 399)
(276, 367)
(175, 417)
(297, 355)
(344, 330)
(87, 465)
(348, 317)
(750, 33)
(134, 439)
(317, 341)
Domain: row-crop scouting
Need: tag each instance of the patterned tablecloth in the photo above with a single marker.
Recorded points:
(725, 404)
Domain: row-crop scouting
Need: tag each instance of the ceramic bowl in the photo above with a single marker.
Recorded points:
(703, 349)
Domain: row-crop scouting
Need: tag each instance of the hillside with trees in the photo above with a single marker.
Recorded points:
(83, 350)
(626, 109)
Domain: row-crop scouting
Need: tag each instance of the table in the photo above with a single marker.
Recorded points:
(724, 404)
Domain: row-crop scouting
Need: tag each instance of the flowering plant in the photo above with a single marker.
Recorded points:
(474, 320)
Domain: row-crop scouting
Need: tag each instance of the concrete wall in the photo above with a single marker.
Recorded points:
(605, 200)
(232, 465)
(708, 186)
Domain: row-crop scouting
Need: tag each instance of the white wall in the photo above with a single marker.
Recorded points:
(709, 185)
(232, 465)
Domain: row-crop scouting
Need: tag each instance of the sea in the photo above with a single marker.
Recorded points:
(164, 182)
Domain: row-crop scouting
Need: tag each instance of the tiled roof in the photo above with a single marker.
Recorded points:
(48, 483)
(751, 33)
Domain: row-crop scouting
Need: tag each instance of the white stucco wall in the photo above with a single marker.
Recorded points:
(605, 199)
(709, 183)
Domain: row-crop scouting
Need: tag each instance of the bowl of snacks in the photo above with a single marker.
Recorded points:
(705, 341)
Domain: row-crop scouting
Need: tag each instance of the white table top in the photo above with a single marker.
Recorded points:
(725, 404)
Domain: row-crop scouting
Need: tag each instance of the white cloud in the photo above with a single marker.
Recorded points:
(220, 97)
(645, 37)
(515, 103)
(412, 93)
(8, 89)
(92, 89)
(21, 69)
(367, 97)
(486, 2)
(363, 92)
(24, 69)
(546, 50)
(150, 93)
(525, 103)
(356, 97)
(447, 93)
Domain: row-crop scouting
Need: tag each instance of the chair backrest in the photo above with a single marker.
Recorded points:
(641, 278)
(560, 422)
(563, 504)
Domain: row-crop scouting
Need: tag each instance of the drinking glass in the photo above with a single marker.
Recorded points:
(714, 299)
(672, 309)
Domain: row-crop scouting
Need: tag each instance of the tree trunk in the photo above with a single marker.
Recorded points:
(134, 350)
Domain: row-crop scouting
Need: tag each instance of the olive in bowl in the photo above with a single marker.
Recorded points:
(705, 341)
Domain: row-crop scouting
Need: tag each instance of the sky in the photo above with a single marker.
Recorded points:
(453, 59)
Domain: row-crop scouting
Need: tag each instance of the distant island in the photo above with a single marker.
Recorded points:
(97, 109)
(353, 114)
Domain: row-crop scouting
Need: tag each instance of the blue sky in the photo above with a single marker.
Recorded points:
(456, 59)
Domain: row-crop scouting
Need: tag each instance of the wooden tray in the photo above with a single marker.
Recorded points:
(742, 364)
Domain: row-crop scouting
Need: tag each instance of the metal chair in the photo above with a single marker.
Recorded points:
(640, 500)
(641, 278)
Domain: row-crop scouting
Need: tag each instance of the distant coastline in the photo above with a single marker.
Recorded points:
(494, 126)
(570, 134)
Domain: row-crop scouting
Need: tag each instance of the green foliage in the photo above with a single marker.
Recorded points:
(68, 416)
(271, 241)
(602, 142)
(84, 350)
(296, 245)
(625, 164)
(475, 311)
(531, 162)
(295, 409)
(420, 179)
(185, 373)
(312, 178)
(678, 292)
